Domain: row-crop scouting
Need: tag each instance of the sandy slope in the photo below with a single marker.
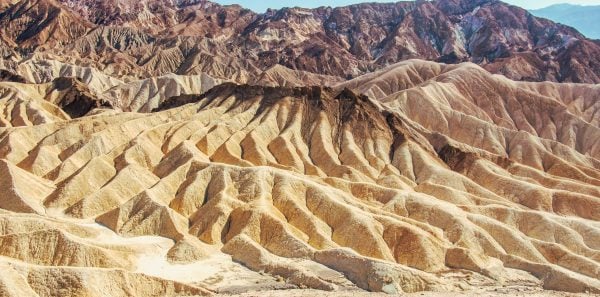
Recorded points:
(496, 292)
(261, 188)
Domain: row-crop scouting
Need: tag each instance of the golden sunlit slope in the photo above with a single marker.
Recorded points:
(324, 188)
(128, 93)
(78, 90)
(490, 112)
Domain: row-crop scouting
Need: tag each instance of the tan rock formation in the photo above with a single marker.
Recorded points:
(449, 179)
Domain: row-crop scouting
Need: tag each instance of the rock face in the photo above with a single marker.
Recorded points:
(152, 38)
(183, 148)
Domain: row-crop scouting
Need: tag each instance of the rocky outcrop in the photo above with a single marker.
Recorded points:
(74, 97)
(6, 75)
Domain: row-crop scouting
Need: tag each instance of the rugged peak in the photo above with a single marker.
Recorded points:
(453, 7)
(246, 92)
(40, 24)
(268, 94)
(65, 82)
(190, 36)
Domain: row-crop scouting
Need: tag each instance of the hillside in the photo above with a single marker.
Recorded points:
(142, 39)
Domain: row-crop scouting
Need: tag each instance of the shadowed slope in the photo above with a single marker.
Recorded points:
(491, 111)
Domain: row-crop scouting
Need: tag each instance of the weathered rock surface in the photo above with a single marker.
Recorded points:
(450, 179)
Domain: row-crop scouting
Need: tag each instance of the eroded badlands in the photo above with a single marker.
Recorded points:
(441, 178)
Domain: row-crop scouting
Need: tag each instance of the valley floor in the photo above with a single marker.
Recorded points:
(496, 292)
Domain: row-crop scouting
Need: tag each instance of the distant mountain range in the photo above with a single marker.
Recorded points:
(583, 18)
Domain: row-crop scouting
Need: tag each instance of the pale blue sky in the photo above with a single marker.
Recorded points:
(262, 5)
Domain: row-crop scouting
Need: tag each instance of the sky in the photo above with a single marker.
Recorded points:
(262, 5)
